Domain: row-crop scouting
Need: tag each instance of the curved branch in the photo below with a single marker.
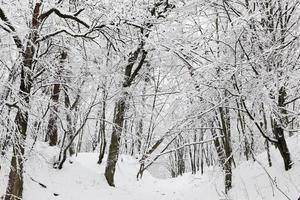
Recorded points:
(272, 140)
(74, 17)
(45, 37)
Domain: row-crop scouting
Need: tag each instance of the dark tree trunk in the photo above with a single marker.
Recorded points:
(132, 142)
(119, 113)
(102, 134)
(192, 162)
(114, 147)
(125, 138)
(102, 147)
(200, 163)
(139, 134)
(267, 145)
(282, 146)
(225, 121)
(180, 156)
(15, 182)
(15, 185)
(268, 153)
(219, 148)
(279, 132)
(241, 125)
(52, 132)
(137, 57)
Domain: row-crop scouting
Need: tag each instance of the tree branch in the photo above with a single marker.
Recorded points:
(272, 140)
(137, 69)
(11, 29)
(74, 17)
(45, 37)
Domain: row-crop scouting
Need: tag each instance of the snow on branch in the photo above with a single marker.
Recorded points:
(163, 152)
(10, 29)
(263, 132)
(74, 17)
(45, 37)
(188, 144)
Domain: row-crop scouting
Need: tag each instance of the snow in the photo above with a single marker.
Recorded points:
(82, 178)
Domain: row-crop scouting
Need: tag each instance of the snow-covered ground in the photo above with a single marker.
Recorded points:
(83, 179)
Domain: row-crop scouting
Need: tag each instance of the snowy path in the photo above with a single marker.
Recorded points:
(84, 180)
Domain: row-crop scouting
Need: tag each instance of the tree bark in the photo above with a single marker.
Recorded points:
(52, 124)
(119, 113)
(52, 132)
(102, 135)
(225, 121)
(279, 132)
(114, 147)
(70, 122)
(15, 182)
(130, 76)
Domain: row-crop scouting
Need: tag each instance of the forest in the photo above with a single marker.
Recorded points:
(151, 99)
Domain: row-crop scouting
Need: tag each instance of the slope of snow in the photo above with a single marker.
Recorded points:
(256, 180)
(84, 179)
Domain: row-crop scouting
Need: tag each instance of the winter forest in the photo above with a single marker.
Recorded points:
(149, 99)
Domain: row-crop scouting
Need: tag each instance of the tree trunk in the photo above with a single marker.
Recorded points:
(102, 134)
(15, 182)
(279, 132)
(218, 146)
(114, 146)
(119, 112)
(225, 121)
(268, 153)
(282, 146)
(267, 146)
(140, 123)
(52, 132)
(70, 123)
(139, 134)
(52, 124)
